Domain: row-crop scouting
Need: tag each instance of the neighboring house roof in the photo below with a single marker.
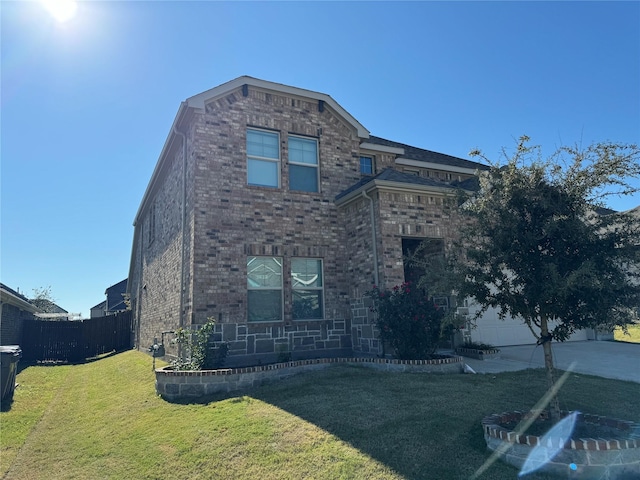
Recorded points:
(435, 159)
(48, 306)
(12, 297)
(115, 296)
(100, 306)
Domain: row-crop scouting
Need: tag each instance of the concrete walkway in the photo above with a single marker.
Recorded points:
(616, 360)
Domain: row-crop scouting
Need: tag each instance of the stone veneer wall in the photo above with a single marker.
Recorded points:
(254, 344)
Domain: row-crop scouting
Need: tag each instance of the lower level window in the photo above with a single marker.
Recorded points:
(264, 289)
(307, 288)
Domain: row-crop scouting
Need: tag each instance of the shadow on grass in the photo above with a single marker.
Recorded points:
(425, 425)
(419, 425)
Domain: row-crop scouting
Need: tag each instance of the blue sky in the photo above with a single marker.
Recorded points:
(87, 104)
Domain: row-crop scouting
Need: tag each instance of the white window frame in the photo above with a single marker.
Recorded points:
(316, 289)
(264, 159)
(307, 165)
(281, 289)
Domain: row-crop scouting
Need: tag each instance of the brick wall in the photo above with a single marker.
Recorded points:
(11, 324)
(229, 221)
(155, 283)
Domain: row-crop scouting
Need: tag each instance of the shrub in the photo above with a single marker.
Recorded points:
(198, 352)
(477, 346)
(408, 320)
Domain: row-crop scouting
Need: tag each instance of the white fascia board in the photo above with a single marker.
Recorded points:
(9, 298)
(200, 100)
(381, 148)
(435, 166)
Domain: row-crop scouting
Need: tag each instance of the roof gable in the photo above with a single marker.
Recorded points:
(200, 100)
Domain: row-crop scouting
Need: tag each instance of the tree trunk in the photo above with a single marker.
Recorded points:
(545, 338)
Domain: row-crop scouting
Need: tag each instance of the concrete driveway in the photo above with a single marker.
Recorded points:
(602, 358)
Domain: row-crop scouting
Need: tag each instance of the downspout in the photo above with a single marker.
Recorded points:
(376, 280)
(183, 223)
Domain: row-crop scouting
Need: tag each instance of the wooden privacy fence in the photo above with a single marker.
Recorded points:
(74, 341)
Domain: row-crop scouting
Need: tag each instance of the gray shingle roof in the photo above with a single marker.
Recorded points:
(414, 153)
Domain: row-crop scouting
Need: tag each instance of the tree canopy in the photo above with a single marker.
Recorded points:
(540, 247)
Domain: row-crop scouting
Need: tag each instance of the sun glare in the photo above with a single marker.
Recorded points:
(61, 10)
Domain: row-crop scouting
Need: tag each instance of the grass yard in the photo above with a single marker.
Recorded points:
(633, 334)
(103, 420)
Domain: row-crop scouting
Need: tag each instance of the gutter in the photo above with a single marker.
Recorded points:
(376, 279)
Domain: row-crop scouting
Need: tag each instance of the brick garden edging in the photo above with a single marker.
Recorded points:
(594, 458)
(477, 353)
(180, 385)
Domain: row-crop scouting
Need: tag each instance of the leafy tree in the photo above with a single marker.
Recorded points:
(538, 246)
(43, 299)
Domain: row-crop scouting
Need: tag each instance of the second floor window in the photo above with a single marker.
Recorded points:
(303, 164)
(263, 158)
(366, 165)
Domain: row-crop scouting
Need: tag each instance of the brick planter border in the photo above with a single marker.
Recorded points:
(594, 458)
(175, 385)
(477, 353)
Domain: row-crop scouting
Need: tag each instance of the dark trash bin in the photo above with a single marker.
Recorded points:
(9, 358)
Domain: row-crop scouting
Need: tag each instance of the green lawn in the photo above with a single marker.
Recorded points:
(103, 420)
(633, 334)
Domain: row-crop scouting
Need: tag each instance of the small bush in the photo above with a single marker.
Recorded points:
(477, 346)
(198, 351)
(408, 320)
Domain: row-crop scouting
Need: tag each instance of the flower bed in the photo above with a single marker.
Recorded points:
(179, 385)
(614, 457)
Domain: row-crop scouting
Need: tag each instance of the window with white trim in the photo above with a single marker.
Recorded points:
(307, 286)
(303, 164)
(264, 289)
(366, 165)
(263, 158)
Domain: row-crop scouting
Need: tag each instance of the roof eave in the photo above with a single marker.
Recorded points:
(391, 185)
(182, 111)
(436, 166)
(11, 299)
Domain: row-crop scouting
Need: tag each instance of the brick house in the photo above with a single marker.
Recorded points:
(14, 308)
(272, 210)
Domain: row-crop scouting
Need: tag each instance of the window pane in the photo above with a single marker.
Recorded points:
(303, 178)
(262, 172)
(366, 165)
(307, 304)
(302, 150)
(262, 144)
(264, 305)
(264, 272)
(306, 273)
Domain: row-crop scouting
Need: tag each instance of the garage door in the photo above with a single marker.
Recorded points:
(493, 331)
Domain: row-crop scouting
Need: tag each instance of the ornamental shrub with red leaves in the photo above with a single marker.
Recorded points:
(408, 320)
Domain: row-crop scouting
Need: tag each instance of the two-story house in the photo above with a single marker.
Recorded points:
(273, 210)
